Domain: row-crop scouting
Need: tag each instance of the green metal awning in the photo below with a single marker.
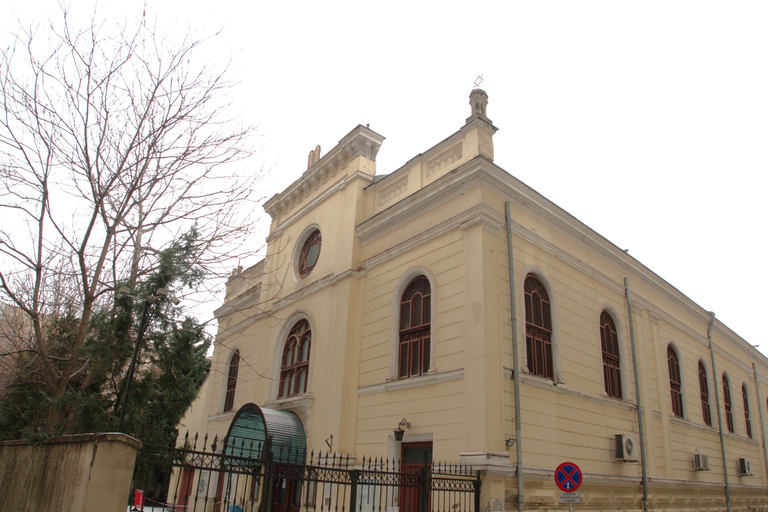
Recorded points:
(253, 425)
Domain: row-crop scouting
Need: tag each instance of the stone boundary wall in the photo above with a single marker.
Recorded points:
(79, 473)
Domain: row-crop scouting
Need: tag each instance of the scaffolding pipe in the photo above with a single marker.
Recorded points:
(515, 369)
(637, 397)
(719, 414)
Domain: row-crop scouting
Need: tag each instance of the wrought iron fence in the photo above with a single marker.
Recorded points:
(250, 477)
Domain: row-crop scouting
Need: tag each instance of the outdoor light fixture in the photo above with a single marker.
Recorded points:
(124, 291)
(510, 442)
(399, 432)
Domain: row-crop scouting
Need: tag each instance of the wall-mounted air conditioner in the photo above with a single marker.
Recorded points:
(700, 462)
(626, 448)
(745, 468)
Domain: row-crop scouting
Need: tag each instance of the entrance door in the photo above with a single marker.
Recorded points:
(413, 457)
(286, 494)
(186, 488)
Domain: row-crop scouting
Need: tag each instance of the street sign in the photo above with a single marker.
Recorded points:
(570, 497)
(568, 477)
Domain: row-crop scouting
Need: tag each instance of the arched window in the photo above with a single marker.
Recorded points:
(704, 389)
(746, 410)
(609, 340)
(415, 318)
(234, 365)
(294, 369)
(727, 402)
(675, 382)
(538, 328)
(309, 254)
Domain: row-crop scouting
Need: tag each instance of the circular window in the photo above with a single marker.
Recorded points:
(310, 251)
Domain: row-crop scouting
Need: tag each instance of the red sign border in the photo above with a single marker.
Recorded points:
(578, 470)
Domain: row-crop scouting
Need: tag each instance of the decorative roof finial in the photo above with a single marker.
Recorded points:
(478, 100)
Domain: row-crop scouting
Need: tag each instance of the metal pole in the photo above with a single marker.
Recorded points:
(515, 365)
(760, 409)
(142, 327)
(637, 396)
(719, 414)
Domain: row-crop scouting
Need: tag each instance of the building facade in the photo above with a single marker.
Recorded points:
(384, 302)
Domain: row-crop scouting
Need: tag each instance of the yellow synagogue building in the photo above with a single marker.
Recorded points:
(380, 321)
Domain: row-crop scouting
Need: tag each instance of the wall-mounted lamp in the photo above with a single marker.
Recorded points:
(510, 442)
(399, 431)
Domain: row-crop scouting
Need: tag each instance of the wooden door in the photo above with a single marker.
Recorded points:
(413, 457)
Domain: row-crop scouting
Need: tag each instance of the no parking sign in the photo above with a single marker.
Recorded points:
(568, 477)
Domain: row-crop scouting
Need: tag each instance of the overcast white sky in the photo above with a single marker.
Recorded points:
(647, 121)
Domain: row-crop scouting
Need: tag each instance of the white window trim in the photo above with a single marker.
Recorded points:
(277, 358)
(232, 350)
(394, 351)
(622, 361)
(541, 276)
(297, 253)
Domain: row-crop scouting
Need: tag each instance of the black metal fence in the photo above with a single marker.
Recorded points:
(251, 477)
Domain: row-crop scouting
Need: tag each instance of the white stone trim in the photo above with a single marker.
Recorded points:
(541, 382)
(623, 366)
(394, 346)
(412, 382)
(542, 277)
(277, 357)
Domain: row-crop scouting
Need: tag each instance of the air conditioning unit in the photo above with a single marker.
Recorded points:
(745, 468)
(700, 462)
(626, 448)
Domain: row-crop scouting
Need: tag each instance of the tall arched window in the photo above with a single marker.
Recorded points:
(415, 318)
(727, 402)
(609, 339)
(234, 365)
(675, 382)
(538, 328)
(704, 389)
(746, 410)
(294, 369)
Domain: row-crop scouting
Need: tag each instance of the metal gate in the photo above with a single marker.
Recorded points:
(201, 478)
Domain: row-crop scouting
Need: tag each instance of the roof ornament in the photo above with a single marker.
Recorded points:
(478, 100)
(313, 157)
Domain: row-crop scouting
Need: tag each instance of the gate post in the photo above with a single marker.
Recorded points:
(477, 492)
(425, 483)
(269, 471)
(354, 476)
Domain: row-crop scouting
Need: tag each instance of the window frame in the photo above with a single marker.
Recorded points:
(415, 336)
(747, 421)
(539, 349)
(290, 374)
(728, 405)
(675, 382)
(313, 236)
(706, 410)
(230, 389)
(611, 362)
(394, 347)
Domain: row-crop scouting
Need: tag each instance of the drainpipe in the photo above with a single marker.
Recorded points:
(637, 396)
(515, 369)
(719, 414)
(760, 408)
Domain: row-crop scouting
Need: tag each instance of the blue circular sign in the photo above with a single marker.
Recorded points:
(568, 477)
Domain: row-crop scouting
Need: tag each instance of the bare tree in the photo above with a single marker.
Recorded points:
(112, 143)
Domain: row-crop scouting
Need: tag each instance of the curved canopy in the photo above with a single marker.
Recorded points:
(252, 426)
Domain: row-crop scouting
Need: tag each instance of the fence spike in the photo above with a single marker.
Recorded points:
(215, 441)
(205, 441)
(194, 446)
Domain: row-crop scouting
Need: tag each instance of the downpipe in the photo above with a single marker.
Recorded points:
(719, 414)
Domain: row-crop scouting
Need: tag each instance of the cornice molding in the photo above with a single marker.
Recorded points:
(361, 141)
(340, 185)
(412, 382)
(481, 172)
